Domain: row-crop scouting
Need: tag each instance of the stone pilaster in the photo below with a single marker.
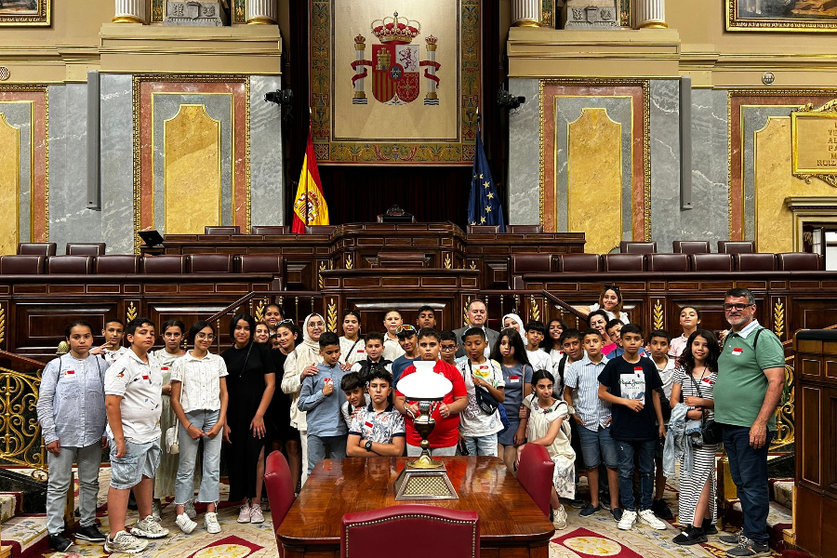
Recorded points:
(261, 11)
(526, 13)
(129, 11)
(650, 14)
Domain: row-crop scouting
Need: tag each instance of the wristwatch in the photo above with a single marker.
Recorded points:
(368, 445)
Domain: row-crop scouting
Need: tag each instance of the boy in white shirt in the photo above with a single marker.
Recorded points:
(538, 358)
(478, 428)
(133, 401)
(112, 349)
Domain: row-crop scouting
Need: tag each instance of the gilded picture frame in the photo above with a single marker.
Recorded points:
(25, 13)
(367, 81)
(781, 15)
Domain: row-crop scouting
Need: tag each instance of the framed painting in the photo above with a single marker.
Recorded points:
(25, 13)
(781, 15)
(395, 83)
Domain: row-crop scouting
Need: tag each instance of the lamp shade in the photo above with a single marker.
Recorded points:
(424, 384)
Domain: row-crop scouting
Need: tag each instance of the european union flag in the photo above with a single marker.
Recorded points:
(484, 207)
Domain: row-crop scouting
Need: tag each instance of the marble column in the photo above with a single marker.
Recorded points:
(261, 11)
(526, 13)
(650, 14)
(129, 11)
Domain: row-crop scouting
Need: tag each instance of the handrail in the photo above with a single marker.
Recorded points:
(544, 293)
(21, 359)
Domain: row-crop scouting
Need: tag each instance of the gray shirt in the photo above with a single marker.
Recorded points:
(323, 411)
(71, 401)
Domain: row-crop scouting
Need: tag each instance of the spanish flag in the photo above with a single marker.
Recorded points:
(309, 203)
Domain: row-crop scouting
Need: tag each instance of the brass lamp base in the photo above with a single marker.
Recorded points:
(424, 484)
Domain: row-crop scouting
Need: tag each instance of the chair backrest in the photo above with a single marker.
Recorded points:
(280, 490)
(210, 263)
(85, 249)
(22, 265)
(690, 246)
(799, 261)
(531, 263)
(76, 265)
(260, 263)
(736, 246)
(524, 229)
(320, 229)
(630, 247)
(535, 474)
(168, 263)
(269, 229)
(711, 262)
(36, 249)
(755, 262)
(444, 533)
(483, 229)
(233, 229)
(667, 262)
(624, 262)
(118, 264)
(579, 263)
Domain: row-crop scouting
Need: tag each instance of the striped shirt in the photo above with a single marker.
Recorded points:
(582, 376)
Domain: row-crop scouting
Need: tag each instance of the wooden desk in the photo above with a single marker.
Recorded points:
(510, 522)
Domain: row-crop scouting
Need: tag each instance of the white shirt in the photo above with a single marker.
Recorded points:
(473, 422)
(112, 356)
(201, 379)
(392, 349)
(540, 360)
(140, 385)
(667, 376)
(351, 351)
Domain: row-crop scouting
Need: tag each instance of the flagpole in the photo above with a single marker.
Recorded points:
(307, 162)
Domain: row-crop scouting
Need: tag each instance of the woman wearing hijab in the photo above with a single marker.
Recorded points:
(300, 363)
(514, 321)
(250, 387)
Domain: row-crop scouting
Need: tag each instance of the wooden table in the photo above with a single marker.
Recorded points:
(511, 525)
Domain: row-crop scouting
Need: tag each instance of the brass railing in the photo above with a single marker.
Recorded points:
(22, 441)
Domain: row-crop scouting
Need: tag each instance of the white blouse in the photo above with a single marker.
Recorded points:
(201, 379)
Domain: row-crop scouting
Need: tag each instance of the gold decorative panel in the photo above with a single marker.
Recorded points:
(192, 147)
(595, 173)
(774, 183)
(9, 186)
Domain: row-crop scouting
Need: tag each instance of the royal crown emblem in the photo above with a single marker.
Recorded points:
(395, 63)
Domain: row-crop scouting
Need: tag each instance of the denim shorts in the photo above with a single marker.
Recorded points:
(597, 447)
(139, 460)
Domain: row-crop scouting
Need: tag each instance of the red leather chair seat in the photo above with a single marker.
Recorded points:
(280, 490)
(535, 475)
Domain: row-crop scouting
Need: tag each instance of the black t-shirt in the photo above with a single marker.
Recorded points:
(629, 425)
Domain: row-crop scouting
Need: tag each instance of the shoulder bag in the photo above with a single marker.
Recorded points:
(710, 431)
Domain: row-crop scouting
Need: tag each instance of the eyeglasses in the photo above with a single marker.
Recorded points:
(614, 288)
(285, 322)
(406, 329)
(448, 347)
(737, 306)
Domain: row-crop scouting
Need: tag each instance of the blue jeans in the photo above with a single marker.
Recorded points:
(210, 481)
(482, 445)
(598, 446)
(320, 447)
(644, 451)
(748, 468)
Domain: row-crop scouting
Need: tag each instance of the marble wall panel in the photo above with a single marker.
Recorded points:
(665, 162)
(266, 172)
(69, 218)
(117, 179)
(524, 201)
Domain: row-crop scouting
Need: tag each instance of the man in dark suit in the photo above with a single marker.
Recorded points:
(477, 317)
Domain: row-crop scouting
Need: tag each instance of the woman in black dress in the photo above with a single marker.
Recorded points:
(250, 385)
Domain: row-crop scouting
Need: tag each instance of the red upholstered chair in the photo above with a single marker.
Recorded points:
(711, 262)
(629, 247)
(75, 265)
(799, 261)
(22, 265)
(260, 263)
(36, 249)
(535, 475)
(117, 264)
(690, 246)
(269, 229)
(524, 229)
(624, 262)
(670, 263)
(755, 262)
(85, 249)
(210, 263)
(222, 230)
(579, 263)
(280, 491)
(736, 247)
(169, 263)
(411, 531)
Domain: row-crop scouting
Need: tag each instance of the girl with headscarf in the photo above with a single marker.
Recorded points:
(300, 363)
(514, 321)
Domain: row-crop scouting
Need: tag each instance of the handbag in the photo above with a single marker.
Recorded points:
(172, 443)
(710, 431)
(485, 401)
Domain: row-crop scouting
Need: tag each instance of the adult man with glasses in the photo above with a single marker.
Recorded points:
(477, 316)
(751, 374)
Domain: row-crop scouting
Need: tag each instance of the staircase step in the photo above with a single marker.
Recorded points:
(781, 490)
(27, 535)
(779, 518)
(10, 505)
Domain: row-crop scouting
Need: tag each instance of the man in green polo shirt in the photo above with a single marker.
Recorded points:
(751, 374)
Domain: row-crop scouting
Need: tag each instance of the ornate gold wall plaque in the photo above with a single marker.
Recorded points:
(814, 142)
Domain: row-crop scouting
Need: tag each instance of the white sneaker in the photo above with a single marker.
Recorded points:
(210, 520)
(244, 513)
(559, 518)
(627, 521)
(186, 525)
(149, 529)
(123, 542)
(647, 516)
(256, 515)
(189, 508)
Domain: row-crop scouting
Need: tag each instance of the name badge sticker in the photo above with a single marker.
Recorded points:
(369, 424)
(737, 351)
(638, 369)
(514, 379)
(70, 372)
